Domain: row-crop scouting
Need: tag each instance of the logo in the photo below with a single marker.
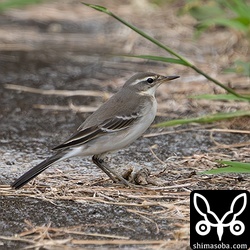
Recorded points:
(219, 219)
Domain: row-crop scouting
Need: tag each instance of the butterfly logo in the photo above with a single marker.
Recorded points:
(210, 219)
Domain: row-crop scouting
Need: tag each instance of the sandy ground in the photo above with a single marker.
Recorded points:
(73, 205)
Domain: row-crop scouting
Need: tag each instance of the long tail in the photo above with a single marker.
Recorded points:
(32, 173)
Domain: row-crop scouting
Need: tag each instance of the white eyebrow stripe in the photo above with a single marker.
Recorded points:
(142, 79)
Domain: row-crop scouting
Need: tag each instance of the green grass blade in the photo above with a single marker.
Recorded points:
(224, 97)
(231, 23)
(161, 45)
(5, 5)
(239, 7)
(204, 119)
(98, 7)
(156, 42)
(232, 167)
(240, 67)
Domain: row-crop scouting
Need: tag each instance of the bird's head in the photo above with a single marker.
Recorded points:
(146, 83)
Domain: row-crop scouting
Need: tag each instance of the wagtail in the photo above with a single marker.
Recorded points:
(114, 125)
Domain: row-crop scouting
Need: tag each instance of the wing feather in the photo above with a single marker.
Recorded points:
(112, 125)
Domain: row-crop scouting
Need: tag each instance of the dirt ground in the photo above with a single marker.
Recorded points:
(62, 45)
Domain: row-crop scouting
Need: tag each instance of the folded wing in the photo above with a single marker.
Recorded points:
(112, 125)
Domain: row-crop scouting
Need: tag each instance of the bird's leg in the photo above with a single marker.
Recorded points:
(104, 167)
(100, 163)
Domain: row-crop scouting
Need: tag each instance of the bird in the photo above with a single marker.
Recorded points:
(114, 125)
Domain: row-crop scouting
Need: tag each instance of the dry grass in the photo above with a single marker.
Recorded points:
(170, 199)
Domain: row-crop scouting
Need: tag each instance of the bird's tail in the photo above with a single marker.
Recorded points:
(32, 173)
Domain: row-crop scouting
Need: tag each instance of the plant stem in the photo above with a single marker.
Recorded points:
(161, 45)
(185, 61)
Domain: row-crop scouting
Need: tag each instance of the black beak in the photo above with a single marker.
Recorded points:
(169, 78)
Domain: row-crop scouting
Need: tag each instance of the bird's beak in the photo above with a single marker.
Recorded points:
(169, 78)
(163, 79)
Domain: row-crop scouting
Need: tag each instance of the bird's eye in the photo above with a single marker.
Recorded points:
(150, 80)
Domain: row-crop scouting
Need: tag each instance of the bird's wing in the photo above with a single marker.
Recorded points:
(111, 125)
